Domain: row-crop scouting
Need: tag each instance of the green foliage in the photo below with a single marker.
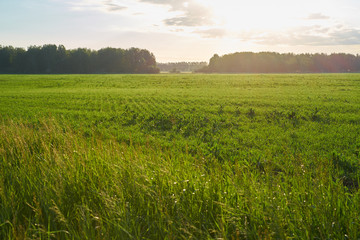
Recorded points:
(50, 59)
(179, 156)
(272, 62)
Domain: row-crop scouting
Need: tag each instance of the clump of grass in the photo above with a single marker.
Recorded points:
(57, 183)
(315, 116)
(251, 113)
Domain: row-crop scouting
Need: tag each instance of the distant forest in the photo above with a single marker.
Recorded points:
(270, 62)
(174, 67)
(48, 59)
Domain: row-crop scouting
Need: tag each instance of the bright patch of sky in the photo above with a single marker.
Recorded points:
(185, 30)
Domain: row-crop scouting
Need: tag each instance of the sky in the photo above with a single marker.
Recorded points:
(185, 30)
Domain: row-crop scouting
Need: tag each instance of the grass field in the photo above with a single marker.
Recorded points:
(182, 156)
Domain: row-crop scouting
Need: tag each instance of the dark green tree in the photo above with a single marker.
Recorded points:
(48, 59)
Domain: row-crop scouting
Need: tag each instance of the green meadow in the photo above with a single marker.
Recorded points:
(182, 156)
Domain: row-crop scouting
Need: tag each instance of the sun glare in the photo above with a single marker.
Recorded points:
(235, 15)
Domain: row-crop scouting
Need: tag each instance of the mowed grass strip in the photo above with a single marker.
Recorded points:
(179, 156)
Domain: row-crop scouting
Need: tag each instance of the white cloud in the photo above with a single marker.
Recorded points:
(235, 22)
(212, 32)
(189, 13)
(314, 35)
(113, 7)
(93, 5)
(317, 16)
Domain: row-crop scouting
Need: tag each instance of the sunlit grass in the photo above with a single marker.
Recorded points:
(179, 157)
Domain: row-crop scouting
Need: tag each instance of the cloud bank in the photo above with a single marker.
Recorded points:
(195, 18)
(311, 35)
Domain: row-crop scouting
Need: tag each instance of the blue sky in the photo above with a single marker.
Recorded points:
(179, 30)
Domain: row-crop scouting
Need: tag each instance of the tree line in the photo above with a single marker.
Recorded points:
(50, 59)
(271, 62)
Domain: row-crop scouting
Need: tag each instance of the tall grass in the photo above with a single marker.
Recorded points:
(57, 183)
(179, 156)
